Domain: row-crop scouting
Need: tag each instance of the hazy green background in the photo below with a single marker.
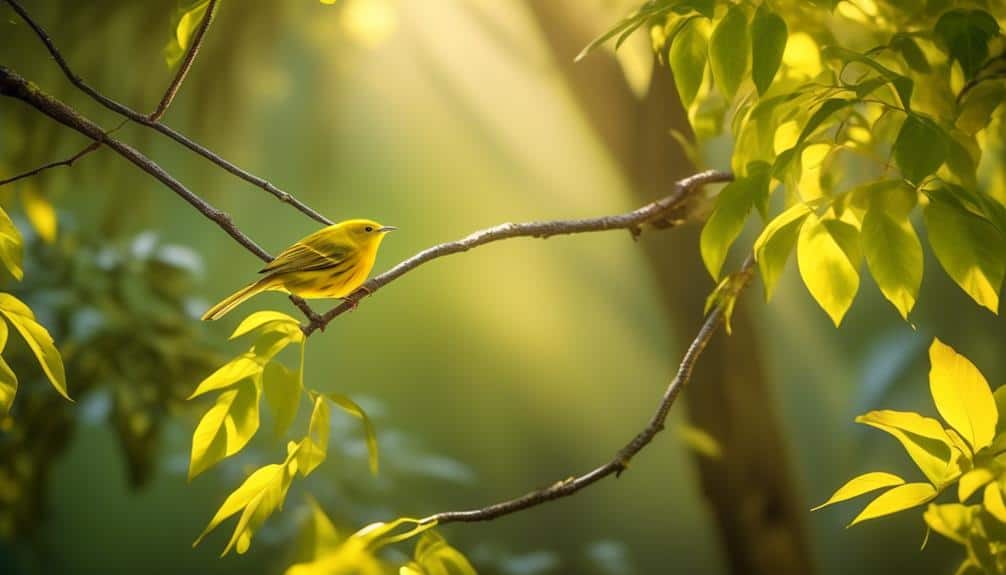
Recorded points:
(488, 373)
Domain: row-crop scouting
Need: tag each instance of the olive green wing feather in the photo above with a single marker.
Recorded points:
(304, 256)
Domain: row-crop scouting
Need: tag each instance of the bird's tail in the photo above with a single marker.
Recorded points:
(235, 299)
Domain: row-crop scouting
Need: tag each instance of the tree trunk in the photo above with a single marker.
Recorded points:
(755, 501)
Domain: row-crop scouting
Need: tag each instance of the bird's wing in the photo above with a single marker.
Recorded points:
(303, 257)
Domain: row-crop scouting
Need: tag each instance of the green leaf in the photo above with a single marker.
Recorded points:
(729, 50)
(962, 395)
(283, 389)
(315, 446)
(971, 481)
(727, 220)
(826, 269)
(974, 112)
(688, 57)
(923, 438)
(951, 520)
(773, 246)
(965, 35)
(8, 380)
(970, 249)
(350, 407)
(226, 428)
(896, 499)
(769, 35)
(910, 51)
(10, 246)
(627, 25)
(825, 111)
(894, 255)
(920, 149)
(864, 483)
(901, 84)
(37, 338)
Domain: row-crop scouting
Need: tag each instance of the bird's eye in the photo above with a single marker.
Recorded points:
(368, 229)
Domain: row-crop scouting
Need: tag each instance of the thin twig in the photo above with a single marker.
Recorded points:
(162, 107)
(631, 221)
(620, 461)
(14, 86)
(67, 162)
(157, 126)
(183, 68)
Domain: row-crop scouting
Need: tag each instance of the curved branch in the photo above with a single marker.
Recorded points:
(631, 221)
(620, 461)
(157, 126)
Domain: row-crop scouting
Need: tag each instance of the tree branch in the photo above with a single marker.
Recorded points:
(186, 64)
(620, 461)
(14, 86)
(156, 125)
(162, 107)
(631, 221)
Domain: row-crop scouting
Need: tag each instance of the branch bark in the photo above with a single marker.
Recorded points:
(144, 120)
(162, 107)
(14, 86)
(631, 221)
(620, 461)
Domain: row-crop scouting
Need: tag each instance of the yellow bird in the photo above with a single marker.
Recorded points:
(330, 263)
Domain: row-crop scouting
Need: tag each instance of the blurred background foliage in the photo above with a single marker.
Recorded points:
(487, 373)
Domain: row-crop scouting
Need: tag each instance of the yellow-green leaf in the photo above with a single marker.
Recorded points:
(951, 520)
(993, 501)
(434, 556)
(700, 441)
(896, 499)
(773, 246)
(37, 338)
(261, 494)
(315, 445)
(241, 367)
(226, 428)
(768, 35)
(971, 481)
(10, 246)
(8, 380)
(894, 255)
(282, 392)
(267, 321)
(969, 248)
(825, 268)
(923, 438)
(688, 57)
(350, 407)
(40, 212)
(962, 395)
(188, 20)
(729, 50)
(318, 535)
(259, 480)
(864, 483)
(725, 223)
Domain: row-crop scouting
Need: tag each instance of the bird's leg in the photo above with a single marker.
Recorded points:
(355, 301)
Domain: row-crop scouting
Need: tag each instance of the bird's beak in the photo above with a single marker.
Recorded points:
(386, 229)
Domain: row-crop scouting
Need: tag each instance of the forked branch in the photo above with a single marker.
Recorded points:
(144, 120)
